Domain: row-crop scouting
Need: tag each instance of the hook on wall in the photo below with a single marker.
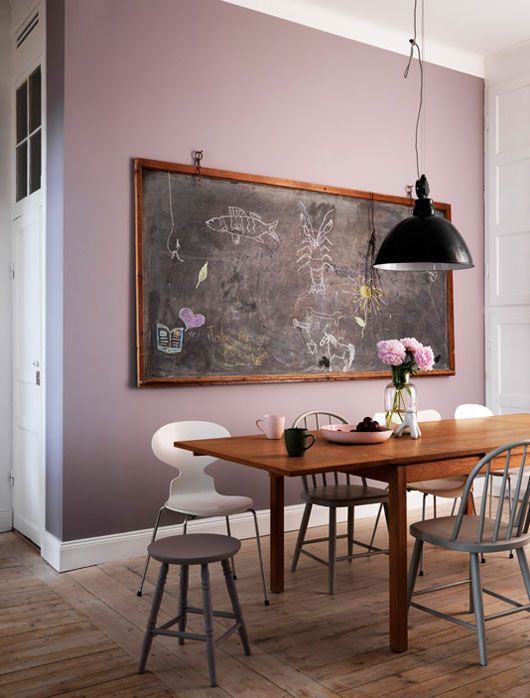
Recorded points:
(197, 156)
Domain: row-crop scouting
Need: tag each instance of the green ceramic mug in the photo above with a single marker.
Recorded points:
(295, 441)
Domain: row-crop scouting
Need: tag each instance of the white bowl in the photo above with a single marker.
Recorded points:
(342, 434)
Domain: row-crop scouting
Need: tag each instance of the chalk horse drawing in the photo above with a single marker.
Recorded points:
(333, 346)
(240, 224)
(314, 252)
(315, 323)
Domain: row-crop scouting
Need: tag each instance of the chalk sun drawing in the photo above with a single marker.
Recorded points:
(240, 224)
(314, 252)
(173, 253)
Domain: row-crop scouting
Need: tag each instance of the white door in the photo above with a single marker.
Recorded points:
(508, 246)
(28, 485)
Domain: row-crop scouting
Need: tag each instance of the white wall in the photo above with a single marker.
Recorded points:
(5, 274)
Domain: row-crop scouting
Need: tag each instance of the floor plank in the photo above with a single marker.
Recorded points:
(79, 633)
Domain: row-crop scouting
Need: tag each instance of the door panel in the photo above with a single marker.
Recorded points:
(27, 423)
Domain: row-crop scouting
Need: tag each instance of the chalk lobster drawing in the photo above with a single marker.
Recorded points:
(238, 223)
(314, 253)
(333, 346)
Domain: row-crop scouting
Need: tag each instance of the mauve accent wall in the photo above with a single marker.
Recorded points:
(156, 78)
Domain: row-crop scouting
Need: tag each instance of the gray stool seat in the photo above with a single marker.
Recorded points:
(343, 495)
(194, 549)
(439, 531)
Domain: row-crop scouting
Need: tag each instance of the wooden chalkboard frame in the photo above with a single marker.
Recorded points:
(141, 164)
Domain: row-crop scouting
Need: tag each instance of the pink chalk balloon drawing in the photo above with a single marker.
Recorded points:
(191, 319)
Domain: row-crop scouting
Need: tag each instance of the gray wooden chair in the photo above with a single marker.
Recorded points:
(194, 549)
(334, 490)
(479, 534)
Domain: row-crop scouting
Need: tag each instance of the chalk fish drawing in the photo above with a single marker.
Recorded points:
(173, 253)
(238, 223)
(314, 252)
(190, 319)
(169, 341)
(333, 346)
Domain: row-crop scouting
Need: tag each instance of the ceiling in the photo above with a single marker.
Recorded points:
(459, 33)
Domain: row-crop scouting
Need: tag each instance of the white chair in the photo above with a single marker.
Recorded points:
(471, 411)
(339, 492)
(193, 492)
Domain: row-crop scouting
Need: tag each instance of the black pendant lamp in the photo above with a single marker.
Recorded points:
(423, 241)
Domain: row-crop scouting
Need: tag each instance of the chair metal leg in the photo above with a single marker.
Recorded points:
(234, 599)
(332, 549)
(471, 604)
(186, 519)
(153, 615)
(301, 535)
(155, 529)
(434, 506)
(423, 519)
(227, 518)
(264, 583)
(351, 524)
(525, 572)
(183, 599)
(455, 500)
(375, 525)
(479, 609)
(208, 622)
(413, 569)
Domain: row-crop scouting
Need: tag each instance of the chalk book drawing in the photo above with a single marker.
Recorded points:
(169, 341)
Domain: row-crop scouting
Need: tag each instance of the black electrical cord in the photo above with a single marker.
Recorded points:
(414, 45)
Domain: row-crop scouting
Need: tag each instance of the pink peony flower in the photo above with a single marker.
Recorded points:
(424, 357)
(411, 344)
(391, 352)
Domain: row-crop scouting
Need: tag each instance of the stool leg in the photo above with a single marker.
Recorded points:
(228, 531)
(183, 599)
(301, 535)
(423, 519)
(351, 522)
(232, 593)
(153, 615)
(208, 622)
(264, 583)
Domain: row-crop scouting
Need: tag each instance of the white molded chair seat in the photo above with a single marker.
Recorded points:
(205, 504)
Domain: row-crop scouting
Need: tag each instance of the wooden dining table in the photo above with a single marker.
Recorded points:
(447, 447)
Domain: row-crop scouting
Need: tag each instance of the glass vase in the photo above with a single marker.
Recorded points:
(400, 397)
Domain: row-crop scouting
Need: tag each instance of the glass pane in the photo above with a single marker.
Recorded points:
(35, 162)
(22, 170)
(22, 112)
(35, 100)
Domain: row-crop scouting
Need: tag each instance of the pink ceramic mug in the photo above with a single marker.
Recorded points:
(272, 425)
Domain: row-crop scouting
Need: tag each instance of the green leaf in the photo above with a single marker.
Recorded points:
(203, 274)
(360, 321)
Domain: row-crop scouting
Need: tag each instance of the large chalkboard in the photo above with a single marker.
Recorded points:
(244, 279)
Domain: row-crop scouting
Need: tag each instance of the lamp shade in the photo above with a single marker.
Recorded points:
(424, 241)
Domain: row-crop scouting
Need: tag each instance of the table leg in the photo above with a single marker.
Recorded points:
(277, 531)
(397, 505)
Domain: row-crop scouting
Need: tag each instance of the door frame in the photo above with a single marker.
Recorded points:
(38, 57)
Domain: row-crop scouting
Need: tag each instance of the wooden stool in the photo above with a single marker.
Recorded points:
(194, 549)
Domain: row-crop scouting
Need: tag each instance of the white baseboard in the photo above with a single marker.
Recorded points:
(6, 519)
(73, 554)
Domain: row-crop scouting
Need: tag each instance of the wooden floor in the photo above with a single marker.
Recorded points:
(79, 633)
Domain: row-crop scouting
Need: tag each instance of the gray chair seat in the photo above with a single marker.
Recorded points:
(439, 531)
(447, 487)
(194, 549)
(344, 495)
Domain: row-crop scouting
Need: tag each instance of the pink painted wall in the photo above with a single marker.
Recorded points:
(156, 78)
